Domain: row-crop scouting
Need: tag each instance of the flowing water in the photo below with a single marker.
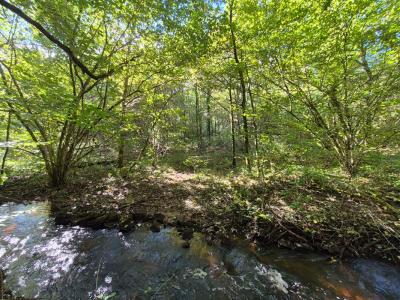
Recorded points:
(46, 261)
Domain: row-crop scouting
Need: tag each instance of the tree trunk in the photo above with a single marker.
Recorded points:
(3, 163)
(208, 99)
(122, 135)
(349, 163)
(232, 117)
(58, 175)
(255, 127)
(199, 132)
(121, 154)
(242, 89)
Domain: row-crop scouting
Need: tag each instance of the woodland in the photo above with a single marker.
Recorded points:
(277, 121)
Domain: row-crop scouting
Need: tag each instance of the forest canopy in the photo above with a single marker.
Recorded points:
(251, 86)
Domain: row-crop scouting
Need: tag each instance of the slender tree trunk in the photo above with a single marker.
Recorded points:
(232, 117)
(242, 88)
(348, 162)
(122, 135)
(208, 99)
(255, 127)
(238, 114)
(3, 163)
(198, 119)
(121, 142)
(121, 150)
(245, 126)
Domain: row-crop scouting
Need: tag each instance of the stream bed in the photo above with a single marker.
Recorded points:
(47, 261)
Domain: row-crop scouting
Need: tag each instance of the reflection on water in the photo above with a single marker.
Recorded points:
(57, 262)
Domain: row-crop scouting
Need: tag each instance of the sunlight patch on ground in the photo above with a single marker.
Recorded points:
(172, 176)
(190, 204)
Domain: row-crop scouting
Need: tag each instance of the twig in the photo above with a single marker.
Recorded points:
(12, 199)
(389, 242)
(98, 271)
(161, 286)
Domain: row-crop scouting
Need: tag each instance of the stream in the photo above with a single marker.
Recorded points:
(47, 261)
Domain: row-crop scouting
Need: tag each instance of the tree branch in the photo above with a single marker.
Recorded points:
(56, 41)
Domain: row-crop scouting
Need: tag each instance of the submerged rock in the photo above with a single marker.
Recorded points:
(126, 224)
(186, 244)
(155, 226)
(274, 277)
(186, 233)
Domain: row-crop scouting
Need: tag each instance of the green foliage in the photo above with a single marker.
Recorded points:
(317, 85)
(196, 163)
(3, 178)
(107, 297)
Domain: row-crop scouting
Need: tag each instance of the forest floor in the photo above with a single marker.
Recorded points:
(284, 212)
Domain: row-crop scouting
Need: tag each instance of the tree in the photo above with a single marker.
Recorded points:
(119, 82)
(240, 69)
(62, 108)
(335, 72)
(7, 146)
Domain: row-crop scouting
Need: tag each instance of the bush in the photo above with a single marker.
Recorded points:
(195, 163)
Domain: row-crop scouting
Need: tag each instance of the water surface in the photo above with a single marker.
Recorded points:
(48, 261)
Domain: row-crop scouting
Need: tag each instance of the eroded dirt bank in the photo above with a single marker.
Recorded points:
(279, 213)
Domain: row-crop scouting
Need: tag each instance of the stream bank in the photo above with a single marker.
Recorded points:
(280, 213)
